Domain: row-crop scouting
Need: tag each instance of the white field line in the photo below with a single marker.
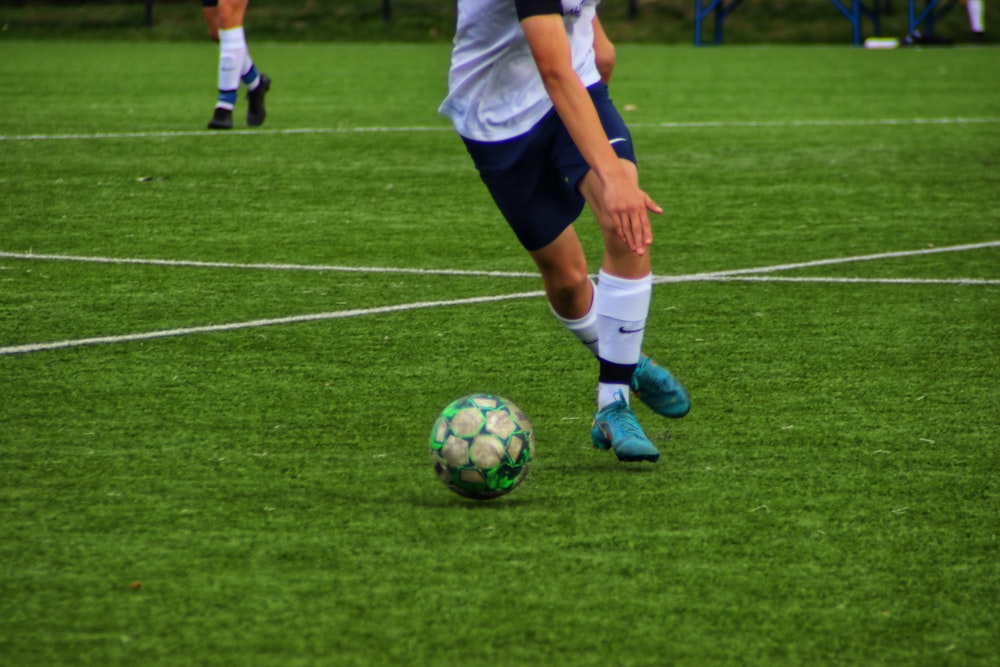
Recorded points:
(873, 281)
(680, 125)
(818, 123)
(719, 275)
(736, 274)
(693, 277)
(266, 267)
(232, 326)
(216, 133)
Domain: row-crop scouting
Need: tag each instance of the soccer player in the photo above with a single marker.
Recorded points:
(224, 19)
(527, 92)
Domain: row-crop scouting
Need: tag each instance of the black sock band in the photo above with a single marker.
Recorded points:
(612, 373)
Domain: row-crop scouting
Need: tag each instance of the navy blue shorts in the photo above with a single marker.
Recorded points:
(209, 3)
(534, 178)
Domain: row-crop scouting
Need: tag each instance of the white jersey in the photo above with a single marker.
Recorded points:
(494, 89)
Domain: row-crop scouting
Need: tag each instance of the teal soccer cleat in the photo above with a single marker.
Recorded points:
(657, 388)
(615, 427)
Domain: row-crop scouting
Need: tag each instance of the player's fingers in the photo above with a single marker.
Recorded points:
(638, 233)
(625, 230)
(647, 231)
(652, 205)
(644, 234)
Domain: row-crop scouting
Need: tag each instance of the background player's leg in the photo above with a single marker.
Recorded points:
(976, 21)
(212, 22)
(236, 65)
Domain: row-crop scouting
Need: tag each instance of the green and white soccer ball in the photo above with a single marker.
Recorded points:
(482, 446)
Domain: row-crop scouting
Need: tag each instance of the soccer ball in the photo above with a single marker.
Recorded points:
(482, 446)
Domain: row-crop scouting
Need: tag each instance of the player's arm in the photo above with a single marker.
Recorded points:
(604, 52)
(627, 205)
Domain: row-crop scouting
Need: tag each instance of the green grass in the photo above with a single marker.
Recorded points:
(832, 499)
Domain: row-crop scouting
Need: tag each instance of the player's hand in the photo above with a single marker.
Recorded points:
(630, 207)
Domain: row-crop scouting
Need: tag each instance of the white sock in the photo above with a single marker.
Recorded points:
(622, 306)
(249, 74)
(585, 328)
(232, 55)
(975, 9)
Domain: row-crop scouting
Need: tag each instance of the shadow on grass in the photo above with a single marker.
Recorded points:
(448, 500)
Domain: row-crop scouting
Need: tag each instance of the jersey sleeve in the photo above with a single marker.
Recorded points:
(526, 8)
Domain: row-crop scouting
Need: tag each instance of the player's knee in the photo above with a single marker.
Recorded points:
(570, 290)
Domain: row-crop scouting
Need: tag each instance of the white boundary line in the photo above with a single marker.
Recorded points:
(819, 123)
(495, 274)
(216, 133)
(266, 267)
(232, 326)
(719, 275)
(680, 125)
(736, 274)
(871, 281)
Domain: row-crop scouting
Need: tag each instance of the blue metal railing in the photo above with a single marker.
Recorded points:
(855, 11)
(928, 16)
(856, 14)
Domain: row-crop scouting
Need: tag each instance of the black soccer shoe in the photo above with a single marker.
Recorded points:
(222, 119)
(255, 111)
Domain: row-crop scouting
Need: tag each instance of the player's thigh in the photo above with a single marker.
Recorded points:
(530, 193)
